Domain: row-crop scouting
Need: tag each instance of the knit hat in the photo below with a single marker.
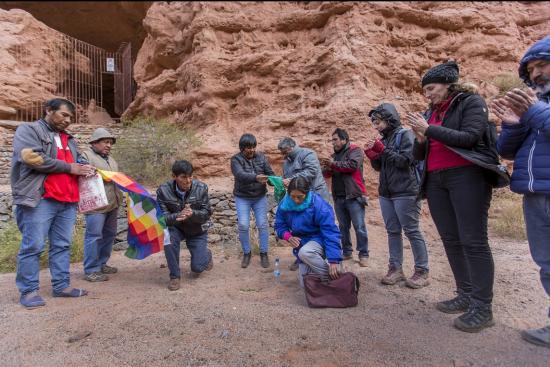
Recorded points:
(446, 73)
(101, 133)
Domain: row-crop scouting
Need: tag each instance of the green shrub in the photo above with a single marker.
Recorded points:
(506, 215)
(506, 82)
(10, 239)
(148, 147)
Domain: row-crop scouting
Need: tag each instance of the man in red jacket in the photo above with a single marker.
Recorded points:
(44, 186)
(349, 193)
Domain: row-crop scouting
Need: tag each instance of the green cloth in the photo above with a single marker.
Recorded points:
(277, 183)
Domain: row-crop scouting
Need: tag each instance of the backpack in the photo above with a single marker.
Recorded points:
(417, 165)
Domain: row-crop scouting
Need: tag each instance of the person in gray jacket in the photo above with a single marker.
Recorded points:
(302, 162)
(44, 184)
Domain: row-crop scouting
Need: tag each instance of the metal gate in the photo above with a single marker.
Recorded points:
(79, 75)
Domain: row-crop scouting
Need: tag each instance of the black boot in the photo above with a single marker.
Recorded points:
(459, 304)
(246, 260)
(264, 260)
(476, 319)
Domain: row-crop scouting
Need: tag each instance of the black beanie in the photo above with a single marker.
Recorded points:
(446, 73)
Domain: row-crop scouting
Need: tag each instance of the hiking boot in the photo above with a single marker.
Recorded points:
(174, 284)
(394, 275)
(106, 269)
(477, 318)
(459, 304)
(418, 280)
(264, 260)
(210, 263)
(537, 336)
(348, 256)
(294, 266)
(363, 261)
(96, 277)
(246, 260)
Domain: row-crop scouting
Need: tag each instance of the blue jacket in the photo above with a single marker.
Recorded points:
(315, 223)
(528, 144)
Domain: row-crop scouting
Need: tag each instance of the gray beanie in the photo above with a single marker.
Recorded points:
(446, 73)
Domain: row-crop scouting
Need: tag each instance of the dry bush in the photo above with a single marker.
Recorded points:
(506, 215)
(506, 82)
(148, 147)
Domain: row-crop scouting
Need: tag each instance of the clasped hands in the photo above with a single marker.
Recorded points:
(513, 105)
(185, 213)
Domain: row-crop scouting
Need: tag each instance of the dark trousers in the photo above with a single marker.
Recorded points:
(459, 200)
(197, 245)
(348, 212)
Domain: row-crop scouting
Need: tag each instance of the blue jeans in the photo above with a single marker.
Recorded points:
(350, 211)
(197, 245)
(259, 206)
(401, 214)
(52, 219)
(536, 210)
(98, 239)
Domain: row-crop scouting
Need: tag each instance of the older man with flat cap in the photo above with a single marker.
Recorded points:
(101, 224)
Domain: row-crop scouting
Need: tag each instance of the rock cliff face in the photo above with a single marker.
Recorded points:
(302, 69)
(27, 61)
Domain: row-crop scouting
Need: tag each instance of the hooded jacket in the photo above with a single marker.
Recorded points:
(528, 143)
(314, 223)
(467, 131)
(395, 164)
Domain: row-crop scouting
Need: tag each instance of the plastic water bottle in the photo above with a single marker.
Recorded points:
(277, 271)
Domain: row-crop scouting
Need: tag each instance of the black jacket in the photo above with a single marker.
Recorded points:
(245, 172)
(395, 164)
(171, 204)
(347, 172)
(466, 130)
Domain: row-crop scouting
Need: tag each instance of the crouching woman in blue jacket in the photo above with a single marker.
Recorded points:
(307, 222)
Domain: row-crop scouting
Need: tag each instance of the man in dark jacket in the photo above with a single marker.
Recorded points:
(44, 184)
(251, 169)
(525, 138)
(348, 192)
(186, 206)
(398, 189)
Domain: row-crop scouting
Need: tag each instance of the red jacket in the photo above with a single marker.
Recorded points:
(62, 186)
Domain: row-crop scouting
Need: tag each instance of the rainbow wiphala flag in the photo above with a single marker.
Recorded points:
(147, 229)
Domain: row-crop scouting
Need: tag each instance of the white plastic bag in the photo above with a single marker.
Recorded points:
(92, 193)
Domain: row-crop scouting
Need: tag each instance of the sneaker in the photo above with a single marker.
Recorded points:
(363, 261)
(96, 277)
(32, 300)
(106, 269)
(537, 336)
(477, 318)
(294, 266)
(393, 276)
(264, 259)
(246, 260)
(418, 280)
(174, 284)
(459, 304)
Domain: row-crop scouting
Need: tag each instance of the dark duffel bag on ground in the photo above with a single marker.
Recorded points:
(337, 293)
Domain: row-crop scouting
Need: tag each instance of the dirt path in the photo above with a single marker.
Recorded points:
(240, 317)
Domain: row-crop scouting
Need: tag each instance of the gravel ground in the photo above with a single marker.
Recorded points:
(241, 317)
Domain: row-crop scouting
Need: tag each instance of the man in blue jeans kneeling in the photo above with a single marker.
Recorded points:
(186, 206)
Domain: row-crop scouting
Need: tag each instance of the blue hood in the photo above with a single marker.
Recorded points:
(539, 51)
